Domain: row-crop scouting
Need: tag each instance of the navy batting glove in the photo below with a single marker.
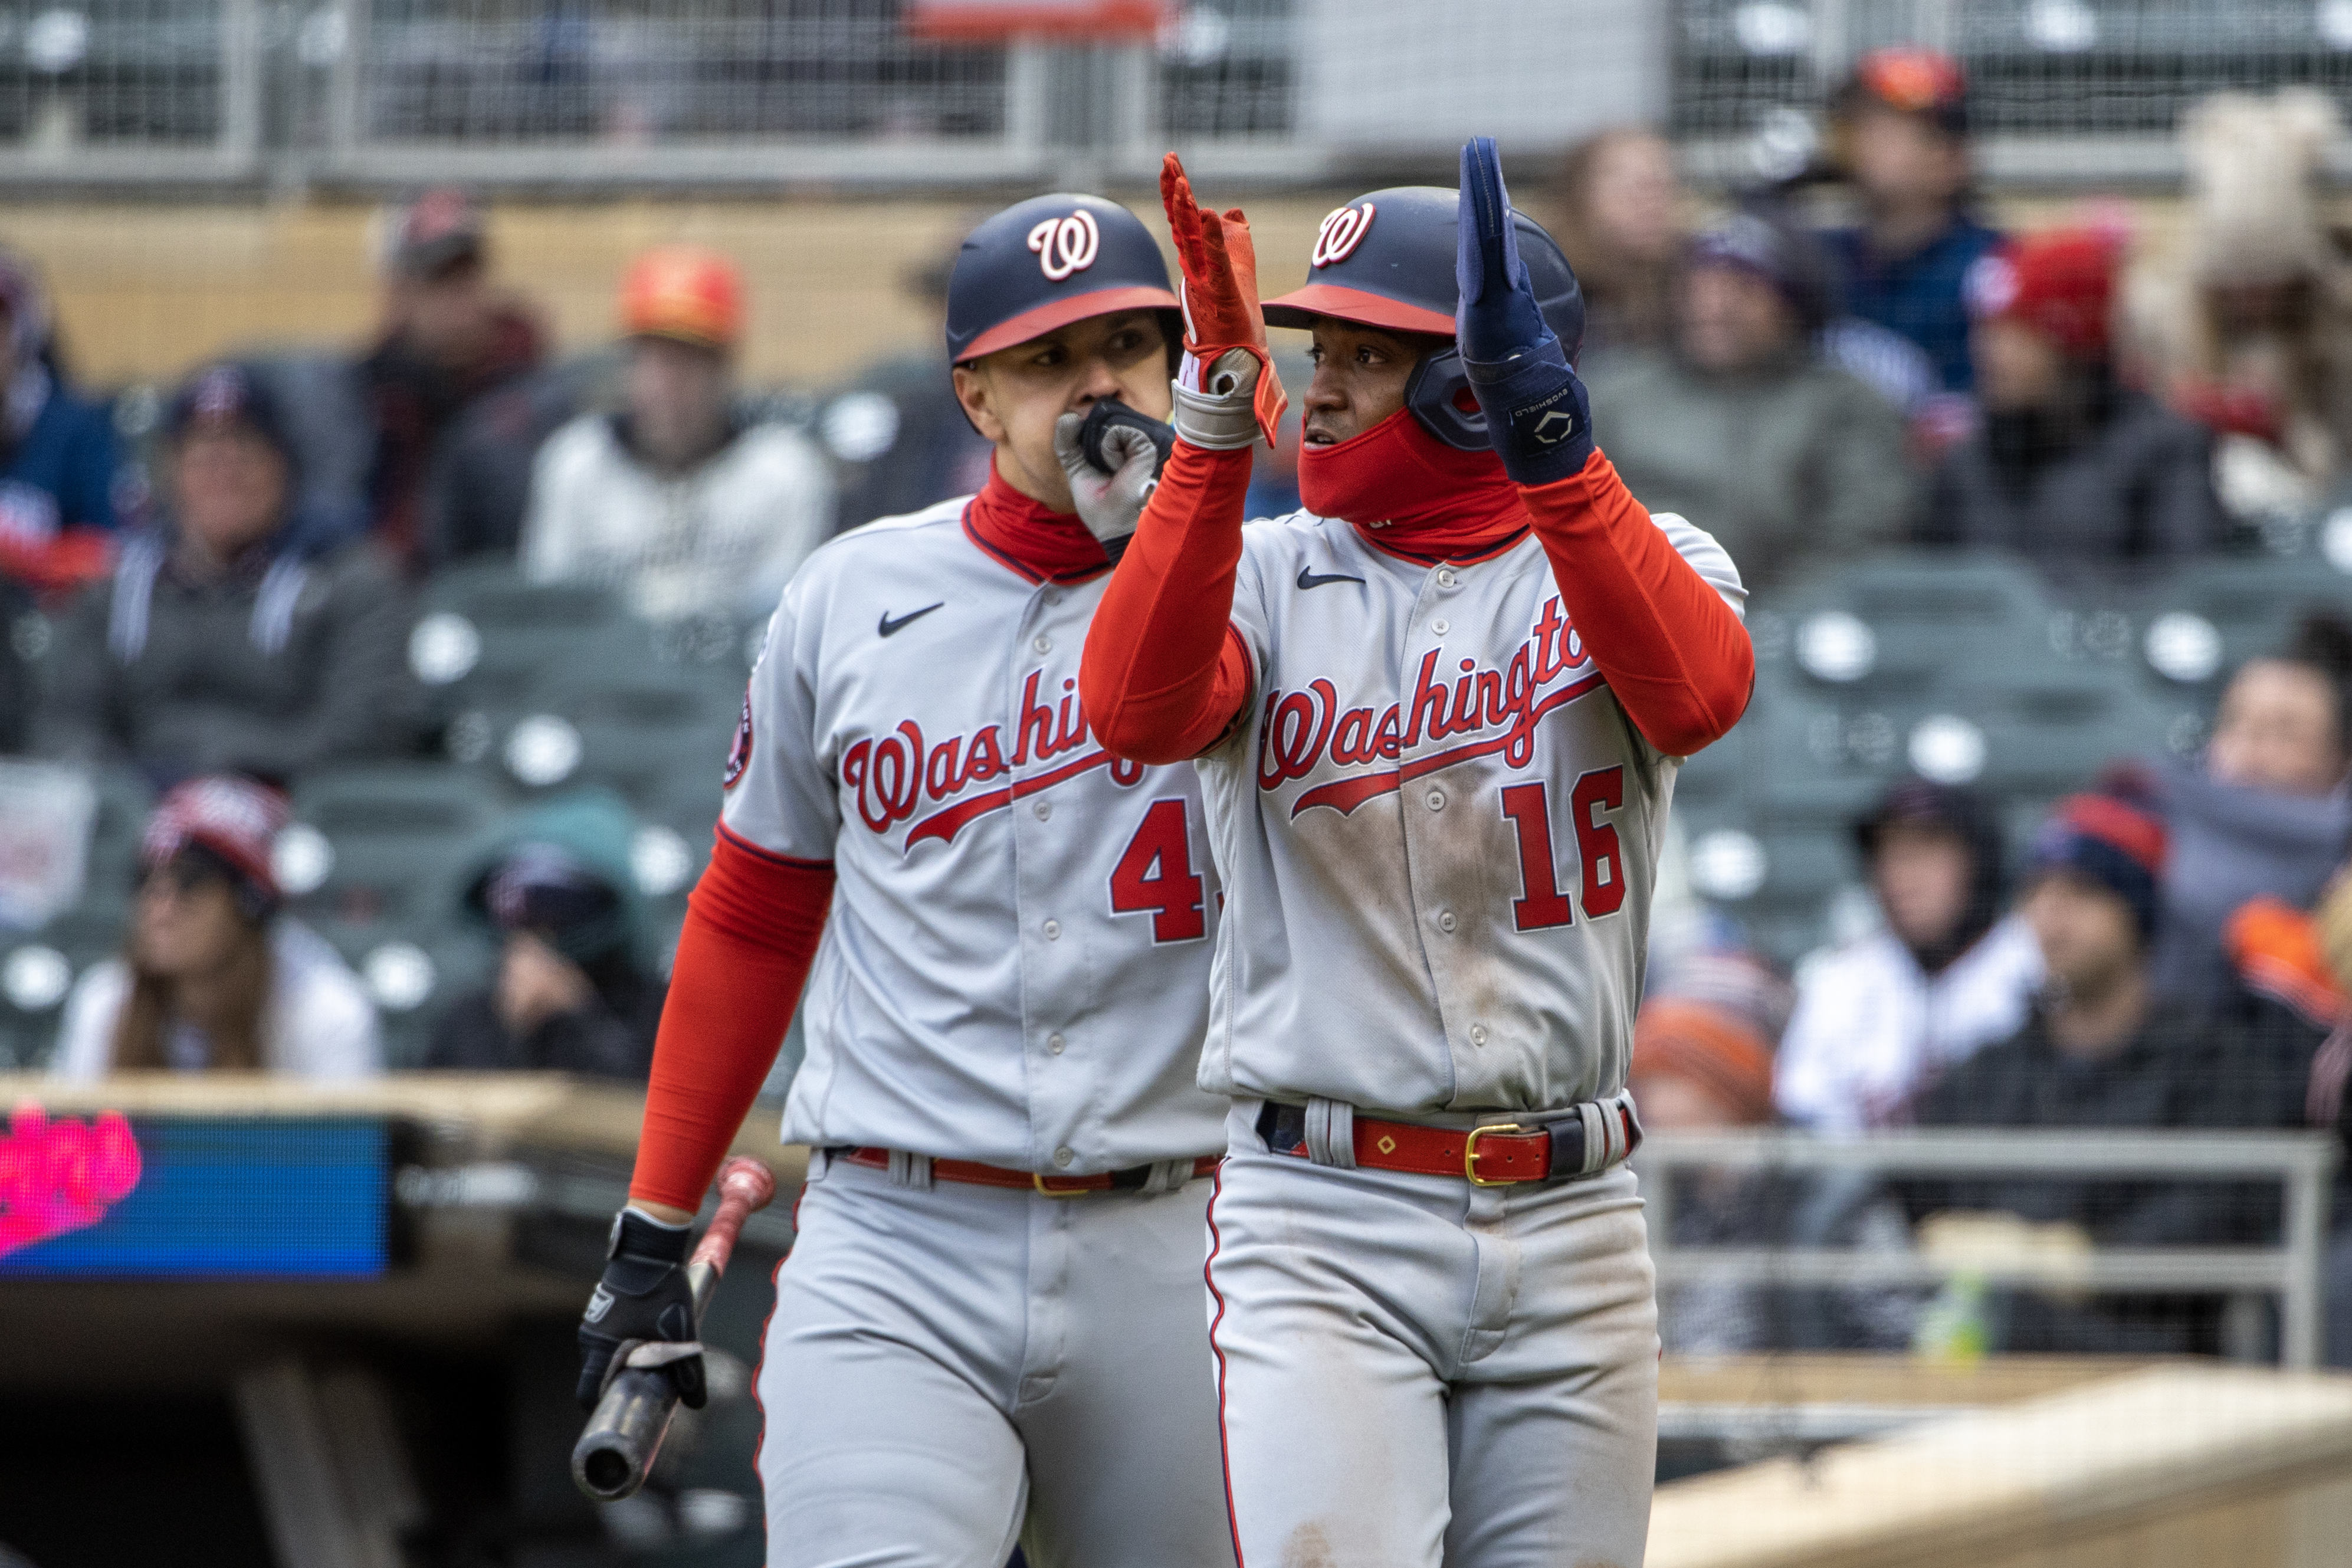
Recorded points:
(643, 1295)
(1538, 418)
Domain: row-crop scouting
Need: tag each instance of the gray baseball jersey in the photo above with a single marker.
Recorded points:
(1015, 968)
(1437, 830)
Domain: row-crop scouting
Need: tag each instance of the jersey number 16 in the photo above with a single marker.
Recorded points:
(1602, 884)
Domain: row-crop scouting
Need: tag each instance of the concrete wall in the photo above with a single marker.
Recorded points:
(145, 291)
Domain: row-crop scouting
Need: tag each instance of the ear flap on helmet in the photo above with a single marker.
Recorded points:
(1440, 397)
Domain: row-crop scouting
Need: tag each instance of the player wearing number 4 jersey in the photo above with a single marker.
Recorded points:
(1437, 717)
(989, 1326)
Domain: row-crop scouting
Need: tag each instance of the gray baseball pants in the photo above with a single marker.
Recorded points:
(950, 1368)
(1414, 1370)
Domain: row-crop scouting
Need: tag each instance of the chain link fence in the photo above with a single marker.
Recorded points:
(2063, 91)
(130, 91)
(648, 92)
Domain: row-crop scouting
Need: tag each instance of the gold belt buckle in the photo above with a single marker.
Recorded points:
(1037, 1179)
(1470, 1154)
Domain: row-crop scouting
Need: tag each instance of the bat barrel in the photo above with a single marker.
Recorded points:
(614, 1455)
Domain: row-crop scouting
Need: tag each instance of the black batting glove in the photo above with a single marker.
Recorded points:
(643, 1296)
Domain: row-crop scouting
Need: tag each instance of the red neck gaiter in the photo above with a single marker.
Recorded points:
(1041, 544)
(1411, 494)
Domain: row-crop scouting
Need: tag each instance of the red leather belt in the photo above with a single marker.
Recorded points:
(1484, 1156)
(980, 1175)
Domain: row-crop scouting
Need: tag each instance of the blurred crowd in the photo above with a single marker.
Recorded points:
(1847, 356)
(1850, 355)
(218, 587)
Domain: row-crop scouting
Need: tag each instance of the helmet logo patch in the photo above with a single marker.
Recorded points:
(1343, 229)
(1065, 245)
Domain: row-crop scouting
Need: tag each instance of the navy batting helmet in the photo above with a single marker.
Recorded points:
(1045, 263)
(1387, 260)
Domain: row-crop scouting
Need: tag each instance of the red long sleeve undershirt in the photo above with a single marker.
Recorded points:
(751, 930)
(1675, 655)
(1165, 673)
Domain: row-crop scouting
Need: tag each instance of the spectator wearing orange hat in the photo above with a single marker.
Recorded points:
(684, 499)
(1901, 132)
(1703, 1063)
(212, 975)
(2068, 467)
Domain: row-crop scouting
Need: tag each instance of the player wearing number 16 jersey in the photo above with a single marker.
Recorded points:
(1437, 717)
(989, 1327)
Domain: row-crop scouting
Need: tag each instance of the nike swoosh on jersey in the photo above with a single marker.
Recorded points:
(888, 627)
(1307, 579)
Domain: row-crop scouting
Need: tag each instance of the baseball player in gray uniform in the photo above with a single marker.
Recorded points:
(1437, 717)
(990, 1327)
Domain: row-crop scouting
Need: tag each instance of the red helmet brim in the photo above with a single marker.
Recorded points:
(1037, 323)
(1301, 306)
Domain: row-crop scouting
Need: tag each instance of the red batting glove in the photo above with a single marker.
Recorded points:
(1219, 292)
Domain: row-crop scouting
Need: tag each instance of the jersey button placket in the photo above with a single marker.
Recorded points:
(1052, 968)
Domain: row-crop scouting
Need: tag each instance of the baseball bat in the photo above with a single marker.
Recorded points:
(617, 1451)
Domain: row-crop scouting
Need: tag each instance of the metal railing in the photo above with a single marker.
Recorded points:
(2062, 92)
(2293, 1270)
(112, 92)
(776, 92)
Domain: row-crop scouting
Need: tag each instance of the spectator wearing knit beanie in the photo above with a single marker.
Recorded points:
(212, 975)
(1703, 1063)
(2097, 1052)
(1740, 420)
(245, 630)
(1703, 1044)
(2069, 465)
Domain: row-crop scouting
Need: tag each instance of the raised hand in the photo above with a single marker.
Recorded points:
(1537, 415)
(1236, 396)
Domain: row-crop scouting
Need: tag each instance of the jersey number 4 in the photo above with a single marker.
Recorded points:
(1156, 875)
(1529, 807)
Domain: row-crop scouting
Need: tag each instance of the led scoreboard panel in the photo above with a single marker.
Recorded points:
(194, 1198)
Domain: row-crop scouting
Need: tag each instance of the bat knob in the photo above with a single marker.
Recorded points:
(747, 1178)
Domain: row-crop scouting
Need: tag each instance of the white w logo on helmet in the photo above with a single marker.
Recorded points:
(1065, 245)
(1343, 229)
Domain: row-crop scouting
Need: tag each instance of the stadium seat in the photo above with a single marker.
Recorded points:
(1804, 758)
(2052, 731)
(124, 799)
(489, 643)
(655, 733)
(1891, 627)
(398, 838)
(2200, 622)
(413, 972)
